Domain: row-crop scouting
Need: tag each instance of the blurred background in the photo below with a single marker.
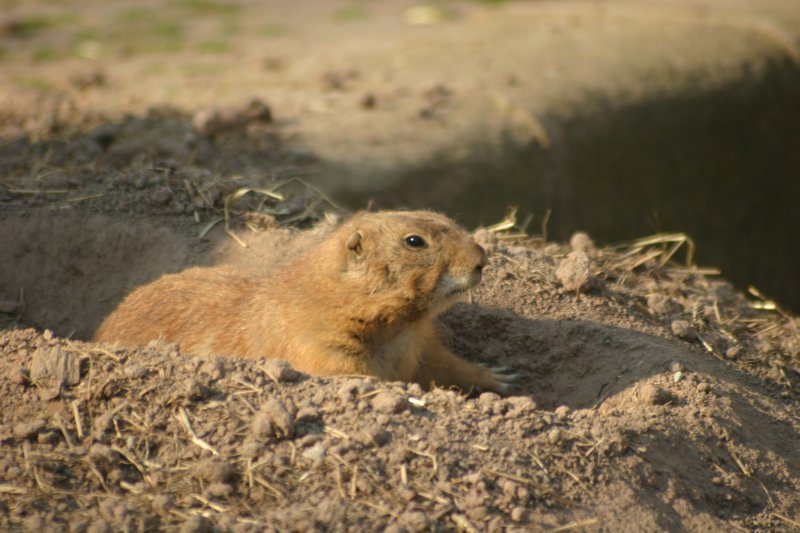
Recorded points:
(619, 118)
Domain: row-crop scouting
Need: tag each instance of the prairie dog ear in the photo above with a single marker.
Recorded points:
(355, 242)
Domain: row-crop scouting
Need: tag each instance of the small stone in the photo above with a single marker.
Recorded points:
(280, 371)
(683, 330)
(48, 335)
(562, 411)
(316, 453)
(389, 402)
(581, 241)
(677, 376)
(575, 274)
(554, 436)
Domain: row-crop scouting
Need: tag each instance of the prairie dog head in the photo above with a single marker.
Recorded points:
(421, 256)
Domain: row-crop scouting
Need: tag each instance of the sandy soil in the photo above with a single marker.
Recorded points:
(652, 396)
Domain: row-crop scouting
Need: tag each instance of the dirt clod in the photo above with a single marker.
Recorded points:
(650, 394)
(580, 241)
(389, 402)
(218, 490)
(276, 418)
(662, 305)
(733, 352)
(280, 371)
(575, 274)
(562, 412)
(683, 330)
(54, 367)
(214, 368)
(26, 430)
(214, 471)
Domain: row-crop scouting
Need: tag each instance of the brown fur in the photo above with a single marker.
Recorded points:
(362, 301)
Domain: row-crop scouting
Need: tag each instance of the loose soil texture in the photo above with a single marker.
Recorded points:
(652, 395)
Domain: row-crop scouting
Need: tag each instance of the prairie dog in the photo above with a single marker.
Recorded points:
(362, 301)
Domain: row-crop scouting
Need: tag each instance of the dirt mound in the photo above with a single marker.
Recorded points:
(656, 399)
(652, 396)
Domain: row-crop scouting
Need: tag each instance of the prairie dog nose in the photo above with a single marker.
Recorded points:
(482, 262)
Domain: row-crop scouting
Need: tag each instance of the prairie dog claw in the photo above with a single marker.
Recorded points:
(505, 377)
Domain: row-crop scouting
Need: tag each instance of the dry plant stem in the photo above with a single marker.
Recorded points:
(183, 417)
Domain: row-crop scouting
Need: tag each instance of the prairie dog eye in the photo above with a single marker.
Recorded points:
(415, 241)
